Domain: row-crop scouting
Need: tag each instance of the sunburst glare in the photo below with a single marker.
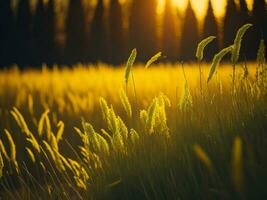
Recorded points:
(200, 6)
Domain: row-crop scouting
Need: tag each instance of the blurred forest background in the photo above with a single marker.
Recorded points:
(33, 32)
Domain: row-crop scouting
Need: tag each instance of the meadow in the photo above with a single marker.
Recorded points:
(165, 131)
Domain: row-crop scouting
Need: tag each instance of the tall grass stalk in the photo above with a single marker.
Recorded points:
(236, 49)
(237, 164)
(261, 68)
(199, 55)
(153, 59)
(128, 70)
(216, 61)
(186, 99)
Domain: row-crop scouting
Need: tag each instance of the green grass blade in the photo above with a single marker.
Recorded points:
(1, 165)
(261, 53)
(237, 164)
(153, 59)
(125, 103)
(237, 42)
(217, 59)
(186, 98)
(203, 157)
(201, 46)
(129, 65)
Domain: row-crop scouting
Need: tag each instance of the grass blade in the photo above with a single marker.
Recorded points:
(237, 42)
(201, 46)
(217, 59)
(129, 65)
(261, 53)
(237, 160)
(126, 103)
(153, 59)
(203, 157)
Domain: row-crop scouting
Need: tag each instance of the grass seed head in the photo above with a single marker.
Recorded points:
(261, 53)
(153, 59)
(201, 46)
(238, 41)
(129, 65)
(204, 158)
(126, 103)
(217, 59)
(237, 164)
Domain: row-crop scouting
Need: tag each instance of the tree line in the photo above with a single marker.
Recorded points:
(29, 39)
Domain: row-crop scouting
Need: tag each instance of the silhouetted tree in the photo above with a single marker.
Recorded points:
(189, 38)
(98, 39)
(243, 12)
(51, 49)
(75, 32)
(231, 24)
(259, 30)
(116, 33)
(6, 33)
(39, 35)
(23, 33)
(169, 37)
(143, 28)
(210, 28)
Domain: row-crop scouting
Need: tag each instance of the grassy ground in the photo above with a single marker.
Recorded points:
(168, 141)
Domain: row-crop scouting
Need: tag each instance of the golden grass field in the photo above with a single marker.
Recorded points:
(76, 92)
(45, 108)
(183, 131)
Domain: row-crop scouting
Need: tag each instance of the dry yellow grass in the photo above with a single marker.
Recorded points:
(78, 90)
(55, 119)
